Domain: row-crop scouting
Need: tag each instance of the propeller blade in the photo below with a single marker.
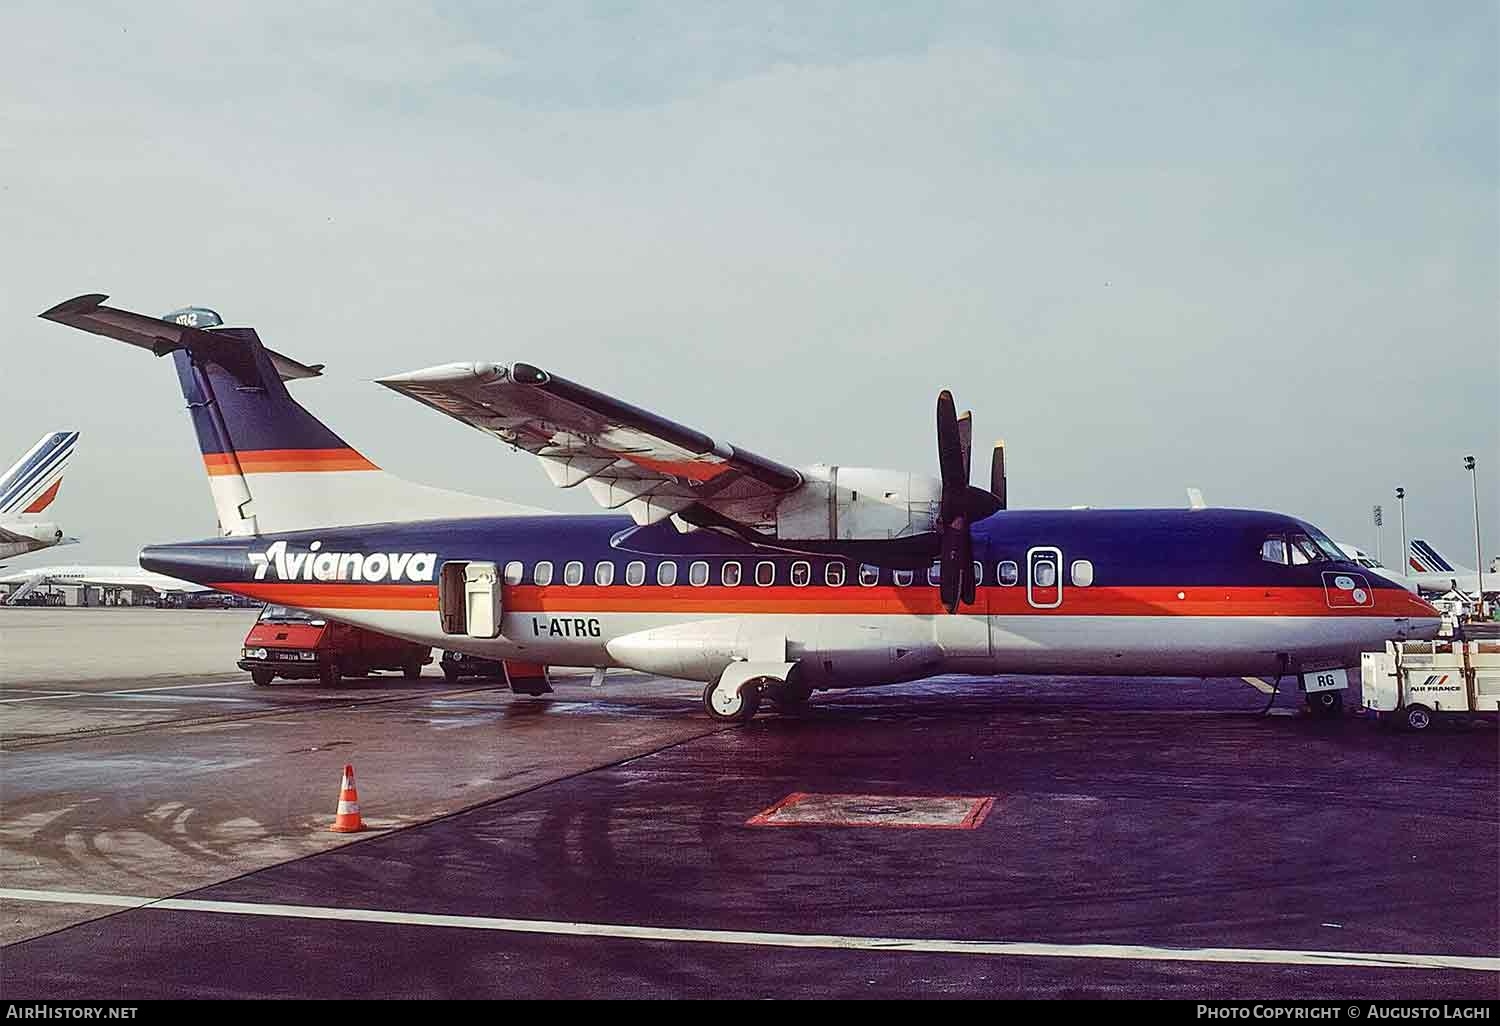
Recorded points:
(966, 439)
(997, 472)
(953, 554)
(950, 447)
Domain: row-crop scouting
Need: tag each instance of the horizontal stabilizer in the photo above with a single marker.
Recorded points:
(217, 345)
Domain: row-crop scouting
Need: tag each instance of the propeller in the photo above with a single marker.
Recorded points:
(961, 504)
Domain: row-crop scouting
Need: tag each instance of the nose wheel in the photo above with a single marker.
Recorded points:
(1325, 705)
(733, 704)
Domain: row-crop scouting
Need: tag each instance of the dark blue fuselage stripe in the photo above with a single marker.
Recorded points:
(1127, 548)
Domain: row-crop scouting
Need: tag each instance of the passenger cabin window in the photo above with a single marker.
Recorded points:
(1044, 573)
(730, 577)
(635, 574)
(666, 574)
(1083, 573)
(542, 573)
(1008, 573)
(833, 575)
(698, 574)
(978, 573)
(904, 578)
(765, 574)
(1273, 550)
(573, 573)
(801, 574)
(514, 571)
(604, 573)
(935, 574)
(869, 576)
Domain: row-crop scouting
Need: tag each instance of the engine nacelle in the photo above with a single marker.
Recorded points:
(858, 503)
(44, 532)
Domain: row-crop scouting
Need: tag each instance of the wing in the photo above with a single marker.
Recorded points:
(626, 456)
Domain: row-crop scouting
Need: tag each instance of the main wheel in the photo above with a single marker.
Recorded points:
(736, 708)
(449, 673)
(1325, 705)
(329, 674)
(412, 670)
(1418, 717)
(262, 678)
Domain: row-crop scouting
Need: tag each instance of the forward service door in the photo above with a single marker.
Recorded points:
(1044, 582)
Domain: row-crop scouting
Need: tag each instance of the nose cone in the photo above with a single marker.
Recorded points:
(1423, 620)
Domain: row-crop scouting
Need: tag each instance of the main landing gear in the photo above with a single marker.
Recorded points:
(736, 696)
(736, 706)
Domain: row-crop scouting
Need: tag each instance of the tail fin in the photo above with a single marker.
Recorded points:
(1425, 558)
(32, 482)
(272, 466)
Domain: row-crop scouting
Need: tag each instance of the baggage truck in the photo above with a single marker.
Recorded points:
(1416, 683)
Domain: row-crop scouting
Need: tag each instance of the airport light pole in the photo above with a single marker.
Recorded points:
(1469, 465)
(1401, 505)
(1379, 522)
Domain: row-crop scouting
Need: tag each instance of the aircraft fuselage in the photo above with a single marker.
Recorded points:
(1119, 592)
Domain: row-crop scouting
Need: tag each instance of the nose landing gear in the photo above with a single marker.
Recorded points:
(1325, 705)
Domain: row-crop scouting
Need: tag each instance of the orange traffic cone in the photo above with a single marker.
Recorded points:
(347, 820)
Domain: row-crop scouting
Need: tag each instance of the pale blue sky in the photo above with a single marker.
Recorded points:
(1253, 248)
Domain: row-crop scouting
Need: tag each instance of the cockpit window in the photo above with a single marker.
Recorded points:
(1305, 550)
(1273, 550)
(1328, 546)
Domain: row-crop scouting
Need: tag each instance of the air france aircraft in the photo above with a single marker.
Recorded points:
(757, 578)
(27, 489)
(127, 578)
(1430, 570)
(1427, 571)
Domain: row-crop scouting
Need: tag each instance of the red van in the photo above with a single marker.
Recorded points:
(295, 644)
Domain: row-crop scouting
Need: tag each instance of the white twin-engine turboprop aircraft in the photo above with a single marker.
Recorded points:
(756, 577)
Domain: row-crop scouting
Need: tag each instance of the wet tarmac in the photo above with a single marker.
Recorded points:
(1153, 839)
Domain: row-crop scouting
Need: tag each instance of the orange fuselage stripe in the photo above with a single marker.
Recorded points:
(849, 599)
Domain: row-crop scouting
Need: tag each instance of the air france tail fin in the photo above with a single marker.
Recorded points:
(272, 466)
(32, 482)
(1423, 557)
